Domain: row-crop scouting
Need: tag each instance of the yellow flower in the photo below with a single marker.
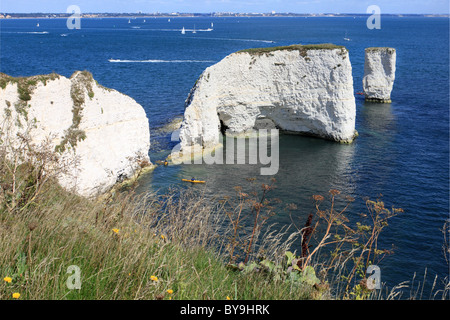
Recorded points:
(7, 279)
(228, 298)
(16, 295)
(170, 291)
(115, 231)
(154, 278)
(163, 237)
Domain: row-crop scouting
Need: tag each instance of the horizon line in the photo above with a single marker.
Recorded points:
(224, 12)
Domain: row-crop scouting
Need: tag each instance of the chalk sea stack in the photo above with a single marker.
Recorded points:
(379, 74)
(105, 131)
(301, 89)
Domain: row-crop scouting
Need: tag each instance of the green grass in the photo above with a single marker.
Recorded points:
(26, 83)
(303, 49)
(61, 229)
(375, 49)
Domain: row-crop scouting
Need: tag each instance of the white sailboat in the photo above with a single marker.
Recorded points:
(346, 38)
(37, 25)
(129, 21)
(194, 30)
(183, 31)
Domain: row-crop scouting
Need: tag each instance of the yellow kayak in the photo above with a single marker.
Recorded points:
(193, 181)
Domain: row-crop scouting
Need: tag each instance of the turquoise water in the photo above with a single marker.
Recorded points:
(402, 151)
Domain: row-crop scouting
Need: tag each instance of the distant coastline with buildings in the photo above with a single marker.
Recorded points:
(6, 15)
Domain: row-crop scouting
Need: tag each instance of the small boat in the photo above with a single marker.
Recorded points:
(37, 25)
(361, 93)
(193, 181)
(129, 21)
(168, 20)
(194, 30)
(183, 31)
(346, 38)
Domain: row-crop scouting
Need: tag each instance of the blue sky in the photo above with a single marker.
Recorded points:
(297, 6)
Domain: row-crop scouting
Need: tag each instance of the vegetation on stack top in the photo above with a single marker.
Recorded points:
(374, 49)
(26, 82)
(302, 48)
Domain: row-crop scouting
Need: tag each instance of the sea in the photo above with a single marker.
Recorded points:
(400, 156)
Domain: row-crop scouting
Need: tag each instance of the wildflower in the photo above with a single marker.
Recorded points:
(228, 298)
(116, 231)
(16, 295)
(7, 279)
(154, 278)
(163, 237)
(170, 291)
(318, 197)
(334, 192)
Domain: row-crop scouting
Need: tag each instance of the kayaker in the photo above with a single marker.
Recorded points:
(192, 179)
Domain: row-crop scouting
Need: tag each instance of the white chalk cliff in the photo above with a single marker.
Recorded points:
(299, 89)
(106, 131)
(379, 74)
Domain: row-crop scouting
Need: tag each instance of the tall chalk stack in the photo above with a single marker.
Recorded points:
(379, 74)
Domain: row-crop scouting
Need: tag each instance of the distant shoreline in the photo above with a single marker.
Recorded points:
(199, 15)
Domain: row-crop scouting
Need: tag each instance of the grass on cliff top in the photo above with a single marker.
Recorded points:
(302, 48)
(25, 83)
(122, 252)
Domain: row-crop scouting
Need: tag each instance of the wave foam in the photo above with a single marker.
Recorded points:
(29, 32)
(231, 39)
